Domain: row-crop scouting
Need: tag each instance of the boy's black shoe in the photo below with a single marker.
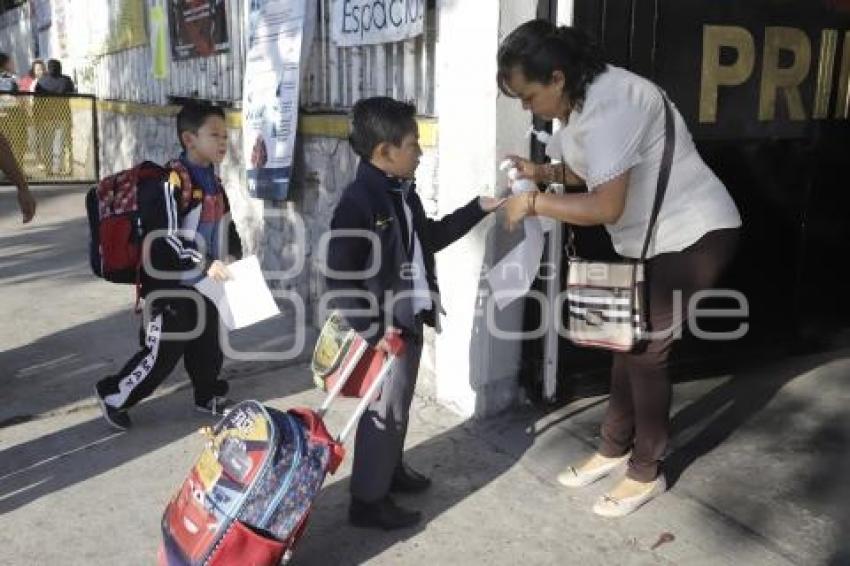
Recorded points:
(407, 480)
(217, 406)
(383, 514)
(116, 418)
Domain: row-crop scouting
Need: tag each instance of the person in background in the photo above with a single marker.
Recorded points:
(54, 82)
(8, 81)
(53, 119)
(9, 166)
(27, 82)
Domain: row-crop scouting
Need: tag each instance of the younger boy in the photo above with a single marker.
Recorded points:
(191, 203)
(382, 203)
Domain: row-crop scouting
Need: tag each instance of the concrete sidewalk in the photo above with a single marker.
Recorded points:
(759, 464)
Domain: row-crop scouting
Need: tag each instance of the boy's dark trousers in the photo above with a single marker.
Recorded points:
(383, 427)
(202, 355)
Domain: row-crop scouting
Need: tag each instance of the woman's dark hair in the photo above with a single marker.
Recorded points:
(4, 60)
(380, 119)
(538, 49)
(34, 63)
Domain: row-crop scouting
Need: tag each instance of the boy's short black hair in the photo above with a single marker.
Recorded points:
(380, 119)
(54, 67)
(193, 115)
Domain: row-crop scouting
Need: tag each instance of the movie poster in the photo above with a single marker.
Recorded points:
(198, 28)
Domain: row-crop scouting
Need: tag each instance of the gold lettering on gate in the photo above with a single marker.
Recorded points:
(715, 75)
(843, 104)
(787, 79)
(826, 66)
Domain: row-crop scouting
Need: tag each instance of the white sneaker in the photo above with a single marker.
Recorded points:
(608, 506)
(573, 477)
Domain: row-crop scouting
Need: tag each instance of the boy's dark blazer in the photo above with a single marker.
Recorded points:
(374, 202)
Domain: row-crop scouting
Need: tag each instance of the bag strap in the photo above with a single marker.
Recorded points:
(663, 171)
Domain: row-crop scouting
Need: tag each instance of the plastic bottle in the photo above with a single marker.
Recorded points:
(517, 185)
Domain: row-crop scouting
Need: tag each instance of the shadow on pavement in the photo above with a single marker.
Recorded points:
(459, 464)
(55, 461)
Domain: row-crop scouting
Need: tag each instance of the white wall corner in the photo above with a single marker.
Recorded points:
(476, 375)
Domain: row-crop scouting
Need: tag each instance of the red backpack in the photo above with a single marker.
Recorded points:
(115, 220)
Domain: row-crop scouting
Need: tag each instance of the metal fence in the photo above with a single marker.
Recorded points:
(54, 138)
(336, 77)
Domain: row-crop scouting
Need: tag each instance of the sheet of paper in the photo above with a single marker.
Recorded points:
(512, 276)
(243, 300)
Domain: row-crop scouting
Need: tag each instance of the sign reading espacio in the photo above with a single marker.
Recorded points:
(370, 22)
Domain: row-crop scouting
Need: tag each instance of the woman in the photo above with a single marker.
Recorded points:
(612, 142)
(28, 81)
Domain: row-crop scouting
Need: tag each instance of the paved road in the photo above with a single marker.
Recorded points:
(759, 464)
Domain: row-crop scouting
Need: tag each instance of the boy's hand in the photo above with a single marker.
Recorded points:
(26, 202)
(217, 271)
(489, 204)
(383, 345)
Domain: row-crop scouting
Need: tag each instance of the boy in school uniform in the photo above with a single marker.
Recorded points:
(190, 209)
(382, 203)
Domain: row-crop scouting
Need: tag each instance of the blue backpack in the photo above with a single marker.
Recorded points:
(247, 498)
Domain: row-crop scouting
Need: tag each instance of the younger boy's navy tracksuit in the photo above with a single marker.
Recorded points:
(390, 209)
(193, 200)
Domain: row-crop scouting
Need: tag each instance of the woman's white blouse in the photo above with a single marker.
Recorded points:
(621, 128)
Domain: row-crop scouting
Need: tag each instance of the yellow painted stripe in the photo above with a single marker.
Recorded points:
(136, 109)
(315, 125)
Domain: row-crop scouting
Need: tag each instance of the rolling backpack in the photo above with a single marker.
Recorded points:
(247, 499)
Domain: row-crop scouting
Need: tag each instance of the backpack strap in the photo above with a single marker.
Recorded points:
(180, 178)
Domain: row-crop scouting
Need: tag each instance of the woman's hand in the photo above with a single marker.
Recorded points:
(527, 169)
(516, 209)
(218, 271)
(489, 204)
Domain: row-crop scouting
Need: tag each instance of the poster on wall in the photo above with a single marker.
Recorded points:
(198, 28)
(278, 34)
(370, 22)
(111, 26)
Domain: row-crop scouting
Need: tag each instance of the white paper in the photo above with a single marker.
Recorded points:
(512, 277)
(244, 299)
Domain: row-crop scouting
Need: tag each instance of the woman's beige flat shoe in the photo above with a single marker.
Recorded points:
(608, 506)
(573, 477)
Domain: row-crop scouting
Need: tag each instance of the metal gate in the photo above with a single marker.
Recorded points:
(53, 138)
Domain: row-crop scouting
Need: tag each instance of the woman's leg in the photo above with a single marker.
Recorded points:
(618, 428)
(673, 279)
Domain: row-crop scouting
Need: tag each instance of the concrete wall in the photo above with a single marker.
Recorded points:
(284, 234)
(476, 374)
(130, 134)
